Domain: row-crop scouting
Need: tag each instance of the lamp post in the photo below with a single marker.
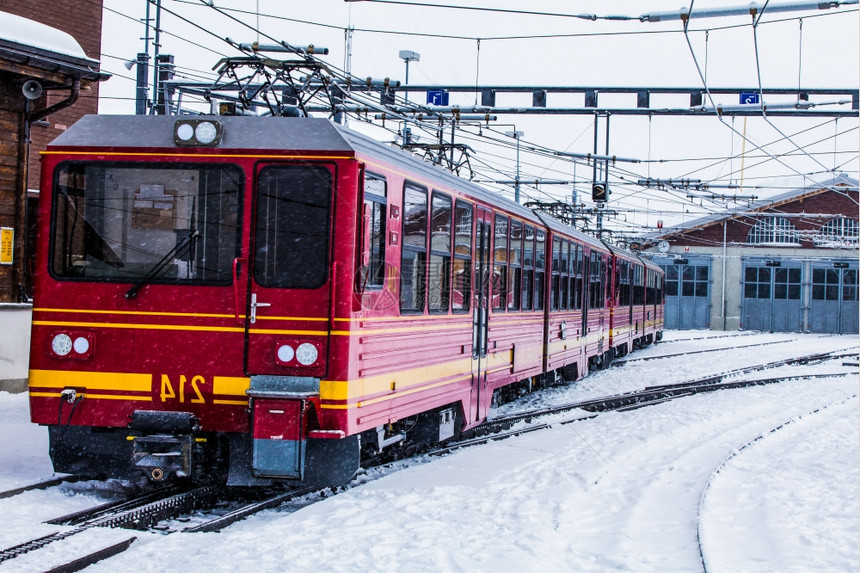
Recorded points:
(516, 135)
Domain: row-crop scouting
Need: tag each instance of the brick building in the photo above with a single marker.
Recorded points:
(788, 264)
(55, 45)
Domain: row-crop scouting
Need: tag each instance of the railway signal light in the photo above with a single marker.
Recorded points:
(599, 192)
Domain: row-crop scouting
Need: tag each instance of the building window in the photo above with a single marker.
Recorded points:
(773, 231)
(839, 232)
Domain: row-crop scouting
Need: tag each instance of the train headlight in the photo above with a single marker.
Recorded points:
(285, 353)
(61, 344)
(307, 354)
(206, 132)
(197, 132)
(81, 345)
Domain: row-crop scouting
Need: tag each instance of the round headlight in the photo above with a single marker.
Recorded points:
(61, 344)
(81, 345)
(306, 354)
(285, 353)
(206, 132)
(184, 132)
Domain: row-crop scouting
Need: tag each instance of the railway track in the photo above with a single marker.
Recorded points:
(146, 511)
(39, 485)
(686, 352)
(700, 523)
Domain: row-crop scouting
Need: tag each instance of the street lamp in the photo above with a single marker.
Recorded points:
(516, 135)
(409, 56)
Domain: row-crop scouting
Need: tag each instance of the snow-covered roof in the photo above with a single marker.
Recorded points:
(25, 32)
(755, 206)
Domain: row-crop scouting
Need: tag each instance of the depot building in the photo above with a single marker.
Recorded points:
(788, 264)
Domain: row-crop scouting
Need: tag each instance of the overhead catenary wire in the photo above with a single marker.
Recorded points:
(536, 151)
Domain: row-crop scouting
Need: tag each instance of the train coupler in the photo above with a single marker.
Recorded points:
(167, 445)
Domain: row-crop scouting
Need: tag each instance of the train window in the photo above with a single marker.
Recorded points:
(500, 269)
(373, 275)
(516, 272)
(439, 285)
(639, 284)
(623, 271)
(462, 293)
(595, 288)
(291, 245)
(528, 268)
(154, 222)
(413, 261)
(555, 282)
(565, 279)
(576, 277)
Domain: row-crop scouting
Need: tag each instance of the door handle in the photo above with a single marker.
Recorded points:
(254, 305)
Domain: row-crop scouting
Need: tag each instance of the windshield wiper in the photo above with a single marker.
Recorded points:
(188, 240)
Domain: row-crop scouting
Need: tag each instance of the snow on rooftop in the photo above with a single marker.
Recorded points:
(34, 34)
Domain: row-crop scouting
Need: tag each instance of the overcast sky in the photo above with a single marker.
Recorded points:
(819, 51)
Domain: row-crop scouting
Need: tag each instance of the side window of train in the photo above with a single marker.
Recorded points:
(372, 269)
(623, 271)
(500, 269)
(595, 290)
(413, 260)
(462, 292)
(565, 276)
(528, 268)
(439, 285)
(555, 281)
(516, 261)
(540, 269)
(576, 277)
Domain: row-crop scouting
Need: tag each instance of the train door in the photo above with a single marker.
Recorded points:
(480, 315)
(289, 274)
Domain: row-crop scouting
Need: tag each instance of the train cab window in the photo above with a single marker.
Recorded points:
(439, 282)
(555, 282)
(374, 216)
(528, 268)
(153, 222)
(413, 261)
(540, 269)
(516, 271)
(500, 268)
(462, 292)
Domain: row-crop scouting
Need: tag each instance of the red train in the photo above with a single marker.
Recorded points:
(269, 298)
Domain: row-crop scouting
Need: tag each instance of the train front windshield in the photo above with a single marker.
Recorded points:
(149, 222)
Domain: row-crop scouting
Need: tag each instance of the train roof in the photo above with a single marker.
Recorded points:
(266, 133)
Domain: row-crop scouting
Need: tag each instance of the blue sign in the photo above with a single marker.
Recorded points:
(749, 97)
(437, 97)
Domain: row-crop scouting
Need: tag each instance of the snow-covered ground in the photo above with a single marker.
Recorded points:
(624, 491)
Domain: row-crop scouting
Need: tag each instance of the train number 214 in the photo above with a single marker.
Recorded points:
(168, 393)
